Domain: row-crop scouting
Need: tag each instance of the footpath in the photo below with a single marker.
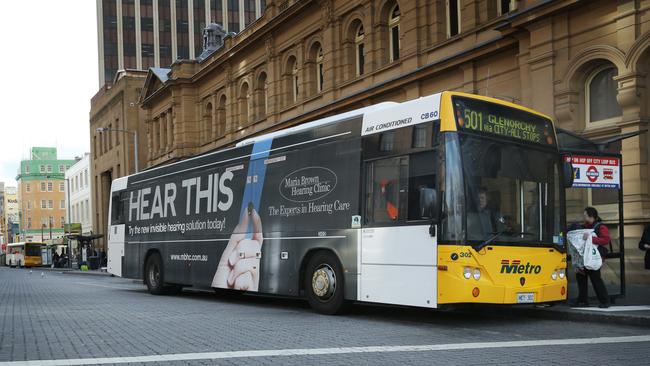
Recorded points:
(74, 271)
(633, 309)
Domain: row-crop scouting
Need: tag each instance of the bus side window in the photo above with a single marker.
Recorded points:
(422, 174)
(385, 190)
(117, 209)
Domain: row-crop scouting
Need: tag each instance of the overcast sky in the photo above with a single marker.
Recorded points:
(49, 73)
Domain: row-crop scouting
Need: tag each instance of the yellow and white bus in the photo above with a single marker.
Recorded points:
(450, 198)
(25, 254)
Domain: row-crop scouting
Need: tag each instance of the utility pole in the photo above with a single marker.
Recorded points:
(67, 184)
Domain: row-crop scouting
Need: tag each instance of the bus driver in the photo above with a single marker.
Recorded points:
(482, 224)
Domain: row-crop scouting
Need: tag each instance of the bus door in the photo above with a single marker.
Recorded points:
(116, 234)
(398, 250)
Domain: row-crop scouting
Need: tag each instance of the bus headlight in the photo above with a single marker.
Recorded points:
(562, 273)
(467, 272)
(477, 274)
(554, 275)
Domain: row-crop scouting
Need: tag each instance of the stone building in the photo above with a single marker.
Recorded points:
(41, 195)
(112, 152)
(583, 62)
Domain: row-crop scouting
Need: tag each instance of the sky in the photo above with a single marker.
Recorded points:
(48, 61)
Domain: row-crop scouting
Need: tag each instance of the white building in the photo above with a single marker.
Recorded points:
(78, 202)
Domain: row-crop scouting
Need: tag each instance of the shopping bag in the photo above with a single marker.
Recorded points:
(591, 257)
(577, 246)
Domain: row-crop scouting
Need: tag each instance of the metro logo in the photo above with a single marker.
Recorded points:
(517, 268)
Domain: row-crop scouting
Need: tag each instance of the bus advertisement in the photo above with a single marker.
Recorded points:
(449, 198)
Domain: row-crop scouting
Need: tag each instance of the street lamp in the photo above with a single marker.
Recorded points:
(135, 141)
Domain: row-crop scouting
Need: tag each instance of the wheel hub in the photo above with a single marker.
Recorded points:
(323, 282)
(154, 275)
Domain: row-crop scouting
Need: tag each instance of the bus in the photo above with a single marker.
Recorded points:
(24, 254)
(447, 199)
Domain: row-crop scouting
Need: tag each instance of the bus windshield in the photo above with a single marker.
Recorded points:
(33, 250)
(512, 192)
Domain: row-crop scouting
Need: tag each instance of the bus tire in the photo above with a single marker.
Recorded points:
(324, 283)
(154, 275)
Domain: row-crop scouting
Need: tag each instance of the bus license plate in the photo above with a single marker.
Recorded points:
(525, 297)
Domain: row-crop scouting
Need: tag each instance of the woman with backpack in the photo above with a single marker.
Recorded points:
(602, 239)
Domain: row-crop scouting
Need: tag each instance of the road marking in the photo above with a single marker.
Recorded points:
(330, 351)
(618, 308)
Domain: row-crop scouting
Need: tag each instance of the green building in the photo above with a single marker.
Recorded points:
(41, 195)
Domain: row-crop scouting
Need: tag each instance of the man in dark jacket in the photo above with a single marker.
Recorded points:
(644, 245)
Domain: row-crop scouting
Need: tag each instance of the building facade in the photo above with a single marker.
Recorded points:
(138, 34)
(78, 195)
(583, 62)
(112, 153)
(41, 194)
(10, 213)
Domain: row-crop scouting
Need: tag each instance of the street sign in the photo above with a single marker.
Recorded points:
(595, 171)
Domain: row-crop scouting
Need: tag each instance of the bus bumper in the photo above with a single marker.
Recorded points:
(470, 291)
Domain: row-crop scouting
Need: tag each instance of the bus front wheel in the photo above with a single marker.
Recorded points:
(324, 283)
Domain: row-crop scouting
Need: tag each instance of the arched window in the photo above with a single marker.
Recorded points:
(359, 58)
(296, 85)
(600, 93)
(393, 33)
(505, 6)
(319, 70)
(453, 17)
(244, 105)
(207, 123)
(221, 116)
(292, 81)
(262, 102)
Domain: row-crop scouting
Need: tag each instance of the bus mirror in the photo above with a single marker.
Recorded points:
(429, 204)
(567, 174)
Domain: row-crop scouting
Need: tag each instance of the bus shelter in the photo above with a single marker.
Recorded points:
(86, 249)
(598, 172)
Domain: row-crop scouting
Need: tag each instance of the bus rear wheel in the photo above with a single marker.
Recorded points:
(324, 283)
(154, 277)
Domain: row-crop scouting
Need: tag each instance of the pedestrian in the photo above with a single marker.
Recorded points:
(602, 239)
(55, 260)
(644, 245)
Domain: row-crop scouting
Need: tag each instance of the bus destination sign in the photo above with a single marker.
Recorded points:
(493, 119)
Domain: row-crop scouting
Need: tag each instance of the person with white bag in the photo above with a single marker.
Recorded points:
(591, 254)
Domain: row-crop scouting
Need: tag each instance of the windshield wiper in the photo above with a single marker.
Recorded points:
(496, 235)
(480, 246)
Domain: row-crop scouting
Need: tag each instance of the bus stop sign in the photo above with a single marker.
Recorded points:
(595, 171)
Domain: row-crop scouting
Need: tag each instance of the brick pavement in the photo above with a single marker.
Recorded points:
(59, 316)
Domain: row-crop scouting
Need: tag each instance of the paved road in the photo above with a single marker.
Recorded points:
(71, 318)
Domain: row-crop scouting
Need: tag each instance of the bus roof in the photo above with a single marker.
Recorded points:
(377, 114)
(121, 182)
(317, 123)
